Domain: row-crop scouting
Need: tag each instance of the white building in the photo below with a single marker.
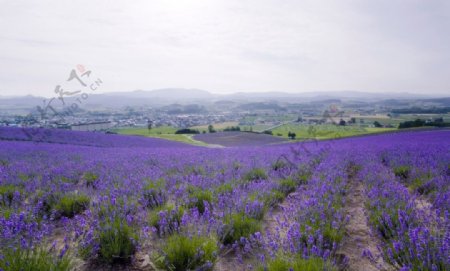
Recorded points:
(93, 126)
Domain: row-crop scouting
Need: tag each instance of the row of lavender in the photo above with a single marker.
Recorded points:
(116, 201)
(408, 191)
(188, 207)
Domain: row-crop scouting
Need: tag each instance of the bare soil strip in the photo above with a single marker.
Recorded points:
(229, 263)
(359, 237)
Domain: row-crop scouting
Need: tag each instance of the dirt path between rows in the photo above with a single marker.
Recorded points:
(230, 262)
(359, 237)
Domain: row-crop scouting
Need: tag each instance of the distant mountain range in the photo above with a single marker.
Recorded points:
(161, 97)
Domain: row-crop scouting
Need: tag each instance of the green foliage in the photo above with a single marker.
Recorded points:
(6, 212)
(424, 187)
(292, 135)
(377, 124)
(255, 174)
(420, 123)
(211, 129)
(155, 193)
(232, 129)
(273, 198)
(7, 194)
(287, 186)
(172, 217)
(48, 202)
(283, 263)
(332, 234)
(197, 198)
(195, 170)
(72, 204)
(402, 171)
(224, 189)
(117, 241)
(165, 132)
(237, 226)
(32, 260)
(65, 179)
(385, 219)
(187, 131)
(279, 164)
(324, 131)
(188, 253)
(303, 176)
(90, 179)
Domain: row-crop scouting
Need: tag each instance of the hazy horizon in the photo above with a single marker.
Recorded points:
(337, 93)
(227, 46)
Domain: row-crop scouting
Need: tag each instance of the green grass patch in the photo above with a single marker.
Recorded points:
(255, 174)
(273, 198)
(284, 263)
(166, 219)
(199, 198)
(325, 131)
(279, 165)
(33, 259)
(226, 188)
(164, 132)
(155, 193)
(70, 205)
(402, 172)
(287, 186)
(117, 241)
(90, 179)
(6, 212)
(7, 194)
(237, 226)
(188, 253)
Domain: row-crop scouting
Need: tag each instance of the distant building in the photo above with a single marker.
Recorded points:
(93, 126)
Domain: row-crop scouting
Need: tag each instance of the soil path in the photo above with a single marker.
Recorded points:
(359, 237)
(230, 262)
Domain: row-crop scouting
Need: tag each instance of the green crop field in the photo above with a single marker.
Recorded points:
(302, 131)
(325, 131)
(217, 126)
(165, 132)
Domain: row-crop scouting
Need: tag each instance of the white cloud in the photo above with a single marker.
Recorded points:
(227, 45)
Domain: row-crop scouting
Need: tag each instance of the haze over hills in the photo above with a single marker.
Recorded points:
(161, 97)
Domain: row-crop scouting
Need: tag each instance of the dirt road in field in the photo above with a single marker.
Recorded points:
(360, 244)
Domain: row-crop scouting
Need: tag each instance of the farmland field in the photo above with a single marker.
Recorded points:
(164, 132)
(91, 201)
(325, 131)
(233, 139)
(303, 132)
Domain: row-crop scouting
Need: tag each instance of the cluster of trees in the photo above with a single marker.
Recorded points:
(211, 129)
(344, 123)
(187, 131)
(439, 122)
(419, 110)
(232, 129)
(377, 124)
(292, 135)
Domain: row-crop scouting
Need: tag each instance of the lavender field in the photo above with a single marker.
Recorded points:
(89, 201)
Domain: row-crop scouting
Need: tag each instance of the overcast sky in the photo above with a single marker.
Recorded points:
(227, 46)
